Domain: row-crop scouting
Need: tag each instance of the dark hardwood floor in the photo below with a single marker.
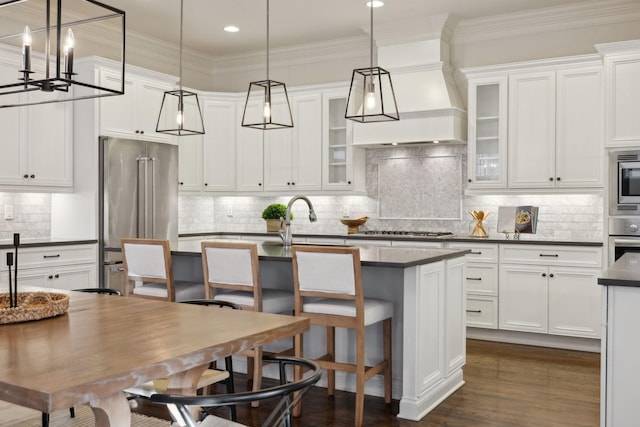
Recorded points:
(506, 385)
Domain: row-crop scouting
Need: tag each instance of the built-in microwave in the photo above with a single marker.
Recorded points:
(624, 191)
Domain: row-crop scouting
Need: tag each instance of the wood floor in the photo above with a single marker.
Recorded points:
(506, 385)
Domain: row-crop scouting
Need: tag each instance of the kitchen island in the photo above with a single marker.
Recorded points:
(619, 395)
(426, 288)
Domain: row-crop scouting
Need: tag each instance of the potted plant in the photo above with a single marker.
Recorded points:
(272, 215)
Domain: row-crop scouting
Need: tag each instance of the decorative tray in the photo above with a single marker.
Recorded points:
(32, 306)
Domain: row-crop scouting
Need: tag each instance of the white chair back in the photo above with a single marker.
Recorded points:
(229, 265)
(326, 272)
(145, 260)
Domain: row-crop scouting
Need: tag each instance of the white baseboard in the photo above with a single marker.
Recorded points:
(542, 340)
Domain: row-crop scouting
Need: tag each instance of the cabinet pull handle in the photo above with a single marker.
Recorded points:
(550, 178)
(259, 184)
(206, 184)
(51, 256)
(469, 180)
(558, 179)
(474, 311)
(56, 276)
(50, 277)
(474, 278)
(476, 252)
(544, 274)
(549, 255)
(551, 275)
(348, 182)
(32, 176)
(25, 176)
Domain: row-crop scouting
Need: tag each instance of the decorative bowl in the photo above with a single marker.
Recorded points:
(353, 223)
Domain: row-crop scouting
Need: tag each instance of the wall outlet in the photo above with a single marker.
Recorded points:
(346, 212)
(229, 211)
(8, 212)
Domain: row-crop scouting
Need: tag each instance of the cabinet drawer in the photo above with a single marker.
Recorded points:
(48, 256)
(482, 312)
(479, 252)
(410, 244)
(551, 255)
(481, 279)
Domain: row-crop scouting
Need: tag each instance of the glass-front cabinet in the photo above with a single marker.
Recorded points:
(343, 164)
(487, 167)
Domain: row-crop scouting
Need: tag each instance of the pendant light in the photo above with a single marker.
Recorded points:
(267, 105)
(371, 96)
(180, 112)
(48, 37)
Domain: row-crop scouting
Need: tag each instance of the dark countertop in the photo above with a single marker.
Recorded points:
(369, 255)
(526, 240)
(33, 243)
(625, 272)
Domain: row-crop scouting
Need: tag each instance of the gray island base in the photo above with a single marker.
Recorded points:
(426, 288)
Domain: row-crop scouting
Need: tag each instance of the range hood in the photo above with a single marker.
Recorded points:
(428, 102)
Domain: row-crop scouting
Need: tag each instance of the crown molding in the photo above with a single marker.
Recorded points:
(581, 15)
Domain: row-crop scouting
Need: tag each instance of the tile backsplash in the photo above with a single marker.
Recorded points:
(562, 216)
(31, 215)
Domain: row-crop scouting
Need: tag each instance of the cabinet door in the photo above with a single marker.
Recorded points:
(117, 113)
(523, 301)
(487, 149)
(574, 302)
(622, 99)
(278, 152)
(532, 101)
(148, 100)
(13, 161)
(306, 166)
(249, 160)
(579, 159)
(219, 148)
(190, 163)
(49, 137)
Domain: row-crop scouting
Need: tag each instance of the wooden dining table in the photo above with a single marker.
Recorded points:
(105, 344)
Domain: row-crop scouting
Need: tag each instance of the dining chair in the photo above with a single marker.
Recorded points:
(209, 377)
(148, 272)
(328, 291)
(104, 291)
(231, 273)
(287, 393)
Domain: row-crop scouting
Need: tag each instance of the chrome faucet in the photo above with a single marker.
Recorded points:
(287, 235)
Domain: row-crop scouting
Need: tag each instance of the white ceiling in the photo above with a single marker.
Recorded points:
(293, 22)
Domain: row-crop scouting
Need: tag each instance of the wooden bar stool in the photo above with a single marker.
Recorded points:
(148, 272)
(231, 273)
(328, 290)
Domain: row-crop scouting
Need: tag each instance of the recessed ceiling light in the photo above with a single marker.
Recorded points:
(375, 3)
(231, 29)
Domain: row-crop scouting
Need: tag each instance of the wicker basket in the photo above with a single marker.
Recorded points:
(32, 306)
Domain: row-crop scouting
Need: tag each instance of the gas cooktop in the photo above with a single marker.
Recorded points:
(409, 233)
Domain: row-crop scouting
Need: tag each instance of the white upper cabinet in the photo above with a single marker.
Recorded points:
(532, 129)
(134, 114)
(545, 119)
(219, 145)
(190, 163)
(622, 93)
(249, 154)
(487, 151)
(293, 157)
(37, 142)
(343, 164)
(579, 120)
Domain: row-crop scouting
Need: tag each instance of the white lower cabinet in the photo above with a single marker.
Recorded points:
(481, 282)
(549, 289)
(60, 267)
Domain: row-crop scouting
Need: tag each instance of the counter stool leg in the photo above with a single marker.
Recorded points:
(331, 355)
(386, 332)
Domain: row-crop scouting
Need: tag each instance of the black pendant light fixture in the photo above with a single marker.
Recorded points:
(371, 96)
(180, 112)
(267, 105)
(47, 36)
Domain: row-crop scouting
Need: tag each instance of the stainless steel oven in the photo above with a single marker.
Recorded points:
(624, 236)
(624, 179)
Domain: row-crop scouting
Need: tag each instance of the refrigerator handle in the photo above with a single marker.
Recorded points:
(142, 196)
(153, 197)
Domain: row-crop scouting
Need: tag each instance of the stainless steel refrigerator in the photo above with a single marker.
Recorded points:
(139, 198)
